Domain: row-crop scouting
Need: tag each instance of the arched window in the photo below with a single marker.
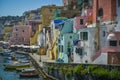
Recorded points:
(100, 12)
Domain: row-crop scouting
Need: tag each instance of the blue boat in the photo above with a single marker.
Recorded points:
(7, 53)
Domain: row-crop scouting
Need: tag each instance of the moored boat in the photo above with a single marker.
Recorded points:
(25, 69)
(29, 73)
(7, 53)
(17, 65)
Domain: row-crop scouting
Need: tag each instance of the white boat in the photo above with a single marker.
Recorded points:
(28, 69)
(17, 65)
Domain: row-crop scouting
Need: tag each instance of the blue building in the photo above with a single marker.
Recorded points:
(65, 41)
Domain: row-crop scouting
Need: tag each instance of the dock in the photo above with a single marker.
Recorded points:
(39, 66)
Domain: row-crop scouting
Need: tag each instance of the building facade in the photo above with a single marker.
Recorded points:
(47, 13)
(65, 47)
(21, 35)
(106, 9)
(109, 54)
(84, 49)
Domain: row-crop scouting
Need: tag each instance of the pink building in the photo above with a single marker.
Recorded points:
(21, 35)
(82, 21)
(111, 53)
(104, 8)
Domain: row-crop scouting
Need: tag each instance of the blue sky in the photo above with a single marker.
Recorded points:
(17, 7)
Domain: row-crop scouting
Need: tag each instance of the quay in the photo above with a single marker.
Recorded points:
(39, 66)
(35, 59)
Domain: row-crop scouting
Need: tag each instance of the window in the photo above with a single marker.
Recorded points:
(16, 29)
(69, 50)
(113, 43)
(23, 31)
(59, 41)
(118, 3)
(16, 35)
(61, 48)
(103, 33)
(50, 10)
(70, 37)
(119, 43)
(100, 12)
(81, 21)
(84, 35)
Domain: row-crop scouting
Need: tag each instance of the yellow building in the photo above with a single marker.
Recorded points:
(8, 32)
(47, 13)
(33, 39)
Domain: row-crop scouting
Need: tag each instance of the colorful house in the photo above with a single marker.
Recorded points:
(47, 13)
(65, 47)
(8, 33)
(65, 41)
(84, 47)
(109, 54)
(107, 12)
(82, 21)
(52, 37)
(21, 35)
(35, 25)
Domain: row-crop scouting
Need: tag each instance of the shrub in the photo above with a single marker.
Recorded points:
(65, 67)
(91, 68)
(51, 67)
(68, 74)
(78, 69)
(115, 74)
(101, 73)
(84, 72)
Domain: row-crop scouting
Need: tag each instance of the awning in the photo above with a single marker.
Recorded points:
(58, 22)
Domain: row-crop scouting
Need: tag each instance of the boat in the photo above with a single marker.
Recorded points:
(7, 53)
(16, 65)
(28, 69)
(24, 61)
(25, 69)
(29, 73)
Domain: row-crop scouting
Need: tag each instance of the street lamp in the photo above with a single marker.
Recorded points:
(40, 53)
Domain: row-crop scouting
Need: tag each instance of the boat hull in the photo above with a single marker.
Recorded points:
(29, 74)
(14, 67)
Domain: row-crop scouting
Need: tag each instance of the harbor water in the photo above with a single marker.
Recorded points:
(11, 75)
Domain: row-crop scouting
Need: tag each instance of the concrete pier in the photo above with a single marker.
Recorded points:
(35, 59)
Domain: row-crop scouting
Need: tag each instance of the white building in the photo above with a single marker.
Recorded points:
(84, 51)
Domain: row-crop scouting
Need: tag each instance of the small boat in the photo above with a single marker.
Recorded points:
(25, 69)
(16, 65)
(24, 61)
(29, 73)
(28, 69)
(7, 53)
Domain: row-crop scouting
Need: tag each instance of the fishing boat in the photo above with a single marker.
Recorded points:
(29, 73)
(16, 65)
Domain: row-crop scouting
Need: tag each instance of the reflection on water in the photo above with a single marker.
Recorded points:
(11, 75)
